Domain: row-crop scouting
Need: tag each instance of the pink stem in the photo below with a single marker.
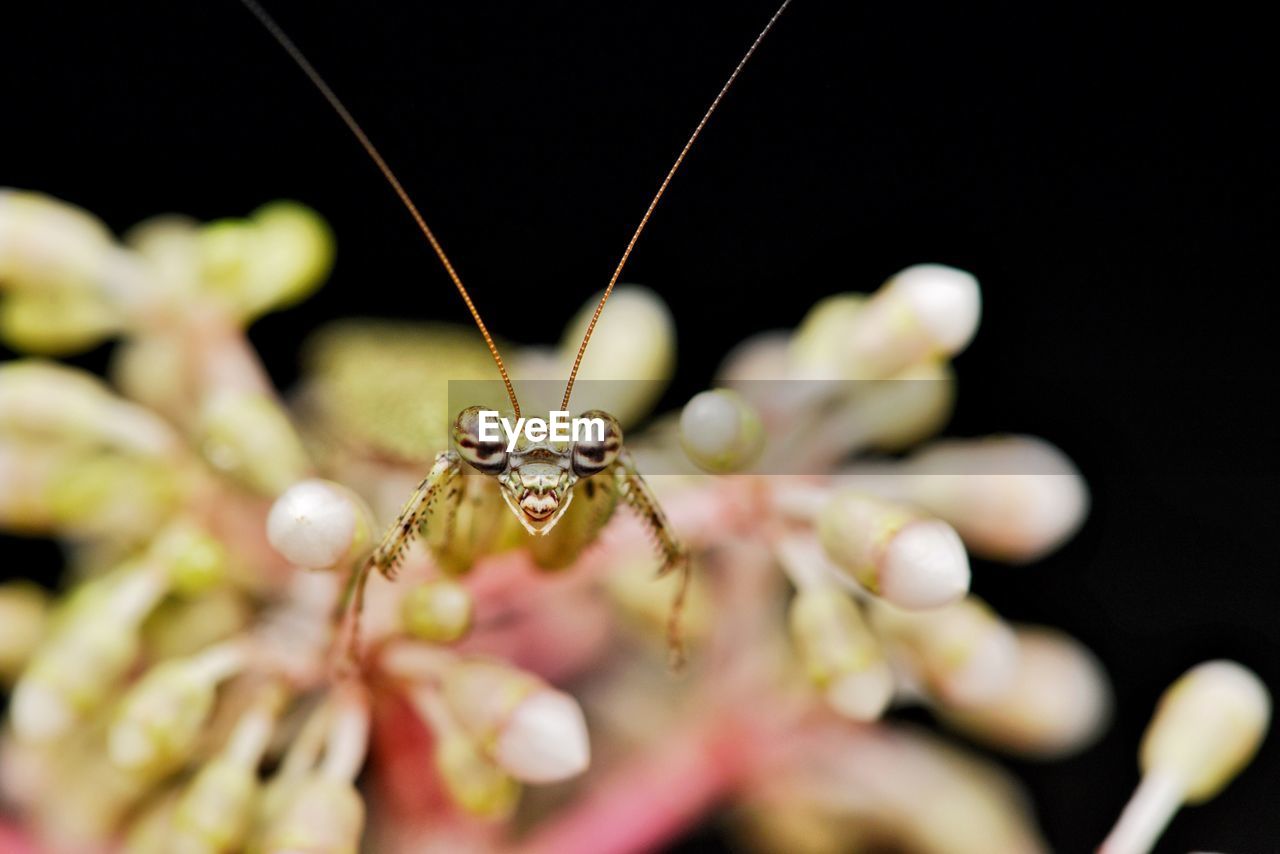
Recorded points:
(650, 800)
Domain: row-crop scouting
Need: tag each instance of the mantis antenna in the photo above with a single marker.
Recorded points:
(343, 113)
(662, 188)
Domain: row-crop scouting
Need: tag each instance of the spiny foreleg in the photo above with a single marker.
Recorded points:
(674, 556)
(440, 491)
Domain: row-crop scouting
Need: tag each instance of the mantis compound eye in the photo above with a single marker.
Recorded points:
(486, 456)
(598, 447)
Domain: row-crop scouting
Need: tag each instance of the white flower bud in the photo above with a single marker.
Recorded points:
(538, 734)
(926, 312)
(1206, 728)
(720, 431)
(841, 655)
(634, 342)
(316, 524)
(46, 243)
(1010, 497)
(1059, 701)
(964, 653)
(945, 301)
(911, 561)
(545, 739)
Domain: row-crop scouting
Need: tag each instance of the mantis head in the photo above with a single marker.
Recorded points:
(537, 476)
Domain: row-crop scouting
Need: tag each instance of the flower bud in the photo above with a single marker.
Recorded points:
(814, 349)
(46, 400)
(95, 641)
(162, 716)
(721, 432)
(473, 780)
(196, 560)
(840, 653)
(911, 561)
(437, 612)
(925, 312)
(48, 244)
(964, 653)
(324, 815)
(23, 615)
(248, 437)
(317, 524)
(214, 813)
(633, 344)
(1059, 701)
(111, 495)
(537, 734)
(1207, 727)
(1009, 497)
(277, 257)
(56, 322)
(909, 408)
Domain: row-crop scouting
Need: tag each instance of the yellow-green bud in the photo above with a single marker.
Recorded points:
(160, 718)
(633, 344)
(277, 257)
(250, 438)
(1207, 727)
(57, 322)
(474, 781)
(23, 615)
(323, 815)
(215, 811)
(71, 677)
(196, 560)
(438, 611)
(840, 653)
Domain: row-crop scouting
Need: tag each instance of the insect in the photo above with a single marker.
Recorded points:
(538, 480)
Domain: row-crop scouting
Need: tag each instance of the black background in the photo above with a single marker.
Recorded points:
(1108, 173)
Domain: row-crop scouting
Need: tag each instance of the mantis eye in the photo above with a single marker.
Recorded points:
(486, 456)
(598, 447)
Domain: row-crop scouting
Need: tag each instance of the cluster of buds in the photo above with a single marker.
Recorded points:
(223, 674)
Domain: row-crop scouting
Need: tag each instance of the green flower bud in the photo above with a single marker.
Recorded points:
(23, 616)
(249, 437)
(277, 257)
(474, 781)
(840, 653)
(323, 816)
(56, 323)
(214, 813)
(437, 612)
(196, 560)
(160, 718)
(72, 676)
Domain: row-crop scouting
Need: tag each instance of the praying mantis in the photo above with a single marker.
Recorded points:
(547, 485)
